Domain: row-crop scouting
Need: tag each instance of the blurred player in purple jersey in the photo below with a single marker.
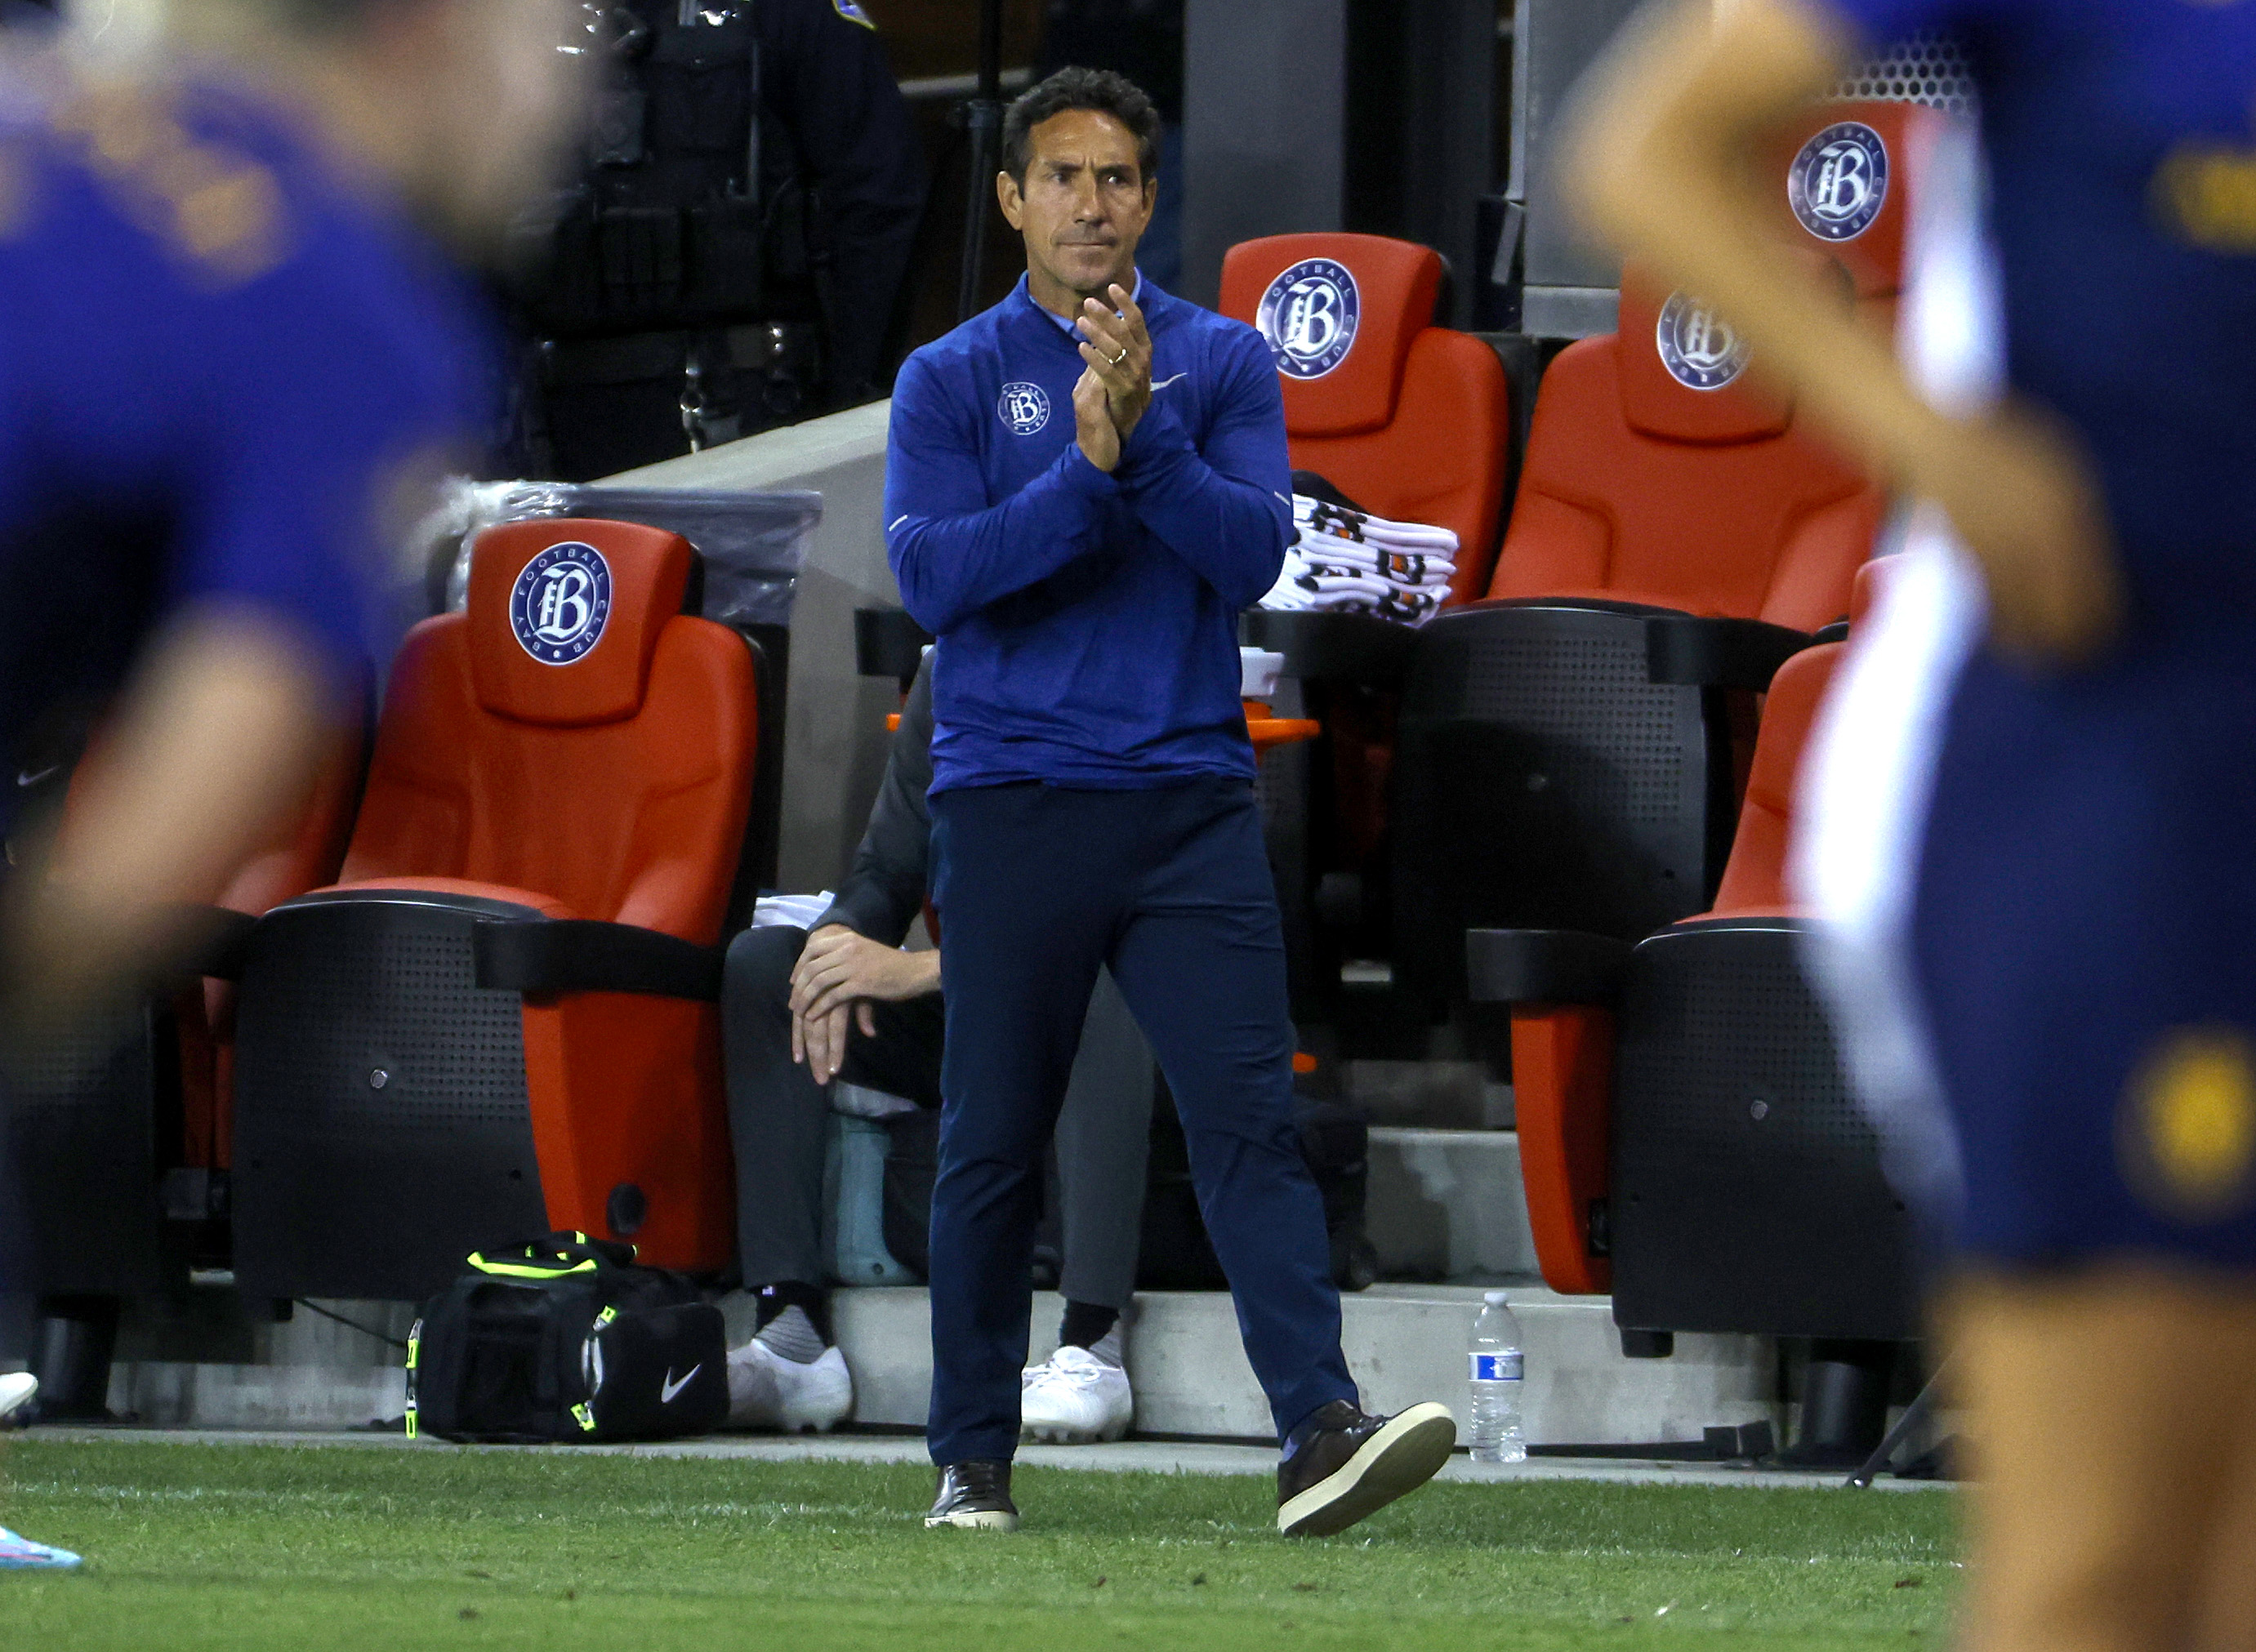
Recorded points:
(233, 352)
(230, 345)
(2062, 915)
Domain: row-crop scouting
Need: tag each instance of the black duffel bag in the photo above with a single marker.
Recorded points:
(565, 1338)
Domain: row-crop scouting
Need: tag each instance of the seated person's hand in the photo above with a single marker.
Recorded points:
(839, 975)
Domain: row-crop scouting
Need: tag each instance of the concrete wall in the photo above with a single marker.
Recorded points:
(198, 1362)
(835, 734)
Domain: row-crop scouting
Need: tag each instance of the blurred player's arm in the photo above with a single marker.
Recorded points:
(217, 736)
(1662, 158)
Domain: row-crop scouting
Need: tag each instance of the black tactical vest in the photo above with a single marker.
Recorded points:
(671, 225)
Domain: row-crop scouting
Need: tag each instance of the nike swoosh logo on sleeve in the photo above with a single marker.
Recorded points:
(1162, 384)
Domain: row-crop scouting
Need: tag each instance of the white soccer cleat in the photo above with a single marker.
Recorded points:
(766, 1390)
(21, 1554)
(17, 1389)
(1073, 1398)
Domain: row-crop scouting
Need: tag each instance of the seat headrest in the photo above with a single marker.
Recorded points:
(1339, 313)
(1847, 170)
(564, 616)
(1683, 371)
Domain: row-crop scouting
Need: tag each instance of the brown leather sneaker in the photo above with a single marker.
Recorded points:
(975, 1497)
(1349, 1463)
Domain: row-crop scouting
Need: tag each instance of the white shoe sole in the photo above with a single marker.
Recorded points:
(17, 1389)
(819, 1418)
(816, 1397)
(1398, 1459)
(978, 1519)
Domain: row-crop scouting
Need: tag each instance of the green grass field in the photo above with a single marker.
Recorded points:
(257, 1547)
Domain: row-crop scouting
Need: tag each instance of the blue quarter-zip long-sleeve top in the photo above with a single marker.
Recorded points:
(1087, 621)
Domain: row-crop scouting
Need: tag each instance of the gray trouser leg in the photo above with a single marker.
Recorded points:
(780, 1118)
(1104, 1136)
(777, 1115)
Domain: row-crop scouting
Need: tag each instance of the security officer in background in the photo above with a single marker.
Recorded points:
(733, 255)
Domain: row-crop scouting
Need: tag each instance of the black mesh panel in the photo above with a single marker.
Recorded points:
(1541, 781)
(1747, 1189)
(381, 1125)
(82, 1117)
(1927, 66)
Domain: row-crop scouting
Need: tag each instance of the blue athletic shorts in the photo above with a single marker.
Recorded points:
(2084, 948)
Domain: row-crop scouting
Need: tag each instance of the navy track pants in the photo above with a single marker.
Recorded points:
(1036, 887)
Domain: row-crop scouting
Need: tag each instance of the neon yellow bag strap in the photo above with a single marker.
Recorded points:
(529, 1269)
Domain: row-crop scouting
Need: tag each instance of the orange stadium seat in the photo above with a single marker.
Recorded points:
(1644, 485)
(1412, 421)
(305, 854)
(1847, 168)
(1565, 756)
(501, 1022)
(1687, 1136)
(1571, 749)
(1407, 418)
(1688, 1139)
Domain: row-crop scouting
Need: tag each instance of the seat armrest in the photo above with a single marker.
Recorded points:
(1543, 967)
(539, 957)
(1335, 648)
(1694, 651)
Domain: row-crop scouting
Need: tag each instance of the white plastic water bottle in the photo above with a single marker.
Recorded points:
(1497, 1368)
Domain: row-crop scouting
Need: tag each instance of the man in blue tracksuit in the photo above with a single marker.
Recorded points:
(1084, 485)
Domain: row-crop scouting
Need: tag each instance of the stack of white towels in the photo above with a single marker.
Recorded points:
(1348, 561)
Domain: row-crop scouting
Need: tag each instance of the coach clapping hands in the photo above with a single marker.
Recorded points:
(1112, 393)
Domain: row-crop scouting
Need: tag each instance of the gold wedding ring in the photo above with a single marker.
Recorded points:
(1121, 357)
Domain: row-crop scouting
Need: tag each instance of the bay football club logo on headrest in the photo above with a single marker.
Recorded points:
(1024, 407)
(1839, 181)
(1701, 350)
(561, 603)
(1309, 316)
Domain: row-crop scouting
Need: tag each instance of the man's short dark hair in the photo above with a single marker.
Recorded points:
(1099, 89)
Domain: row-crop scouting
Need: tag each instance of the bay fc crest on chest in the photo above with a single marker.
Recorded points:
(1023, 407)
